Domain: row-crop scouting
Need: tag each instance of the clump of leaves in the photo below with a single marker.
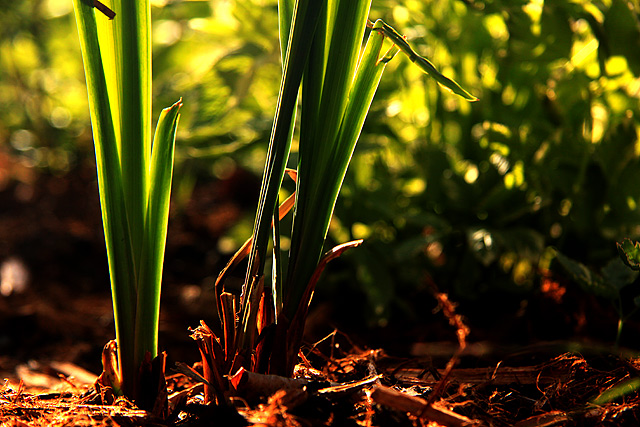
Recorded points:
(134, 179)
(325, 64)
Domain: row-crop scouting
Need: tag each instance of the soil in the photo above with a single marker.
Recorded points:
(57, 316)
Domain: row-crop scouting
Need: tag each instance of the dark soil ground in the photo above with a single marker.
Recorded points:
(553, 366)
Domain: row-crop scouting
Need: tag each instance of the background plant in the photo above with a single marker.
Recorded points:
(615, 283)
(547, 157)
(134, 177)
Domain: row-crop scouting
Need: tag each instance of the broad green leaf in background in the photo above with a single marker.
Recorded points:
(587, 279)
(618, 275)
(611, 285)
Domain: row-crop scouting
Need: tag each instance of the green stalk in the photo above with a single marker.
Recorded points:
(336, 99)
(324, 54)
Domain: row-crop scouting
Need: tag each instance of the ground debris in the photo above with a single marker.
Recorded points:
(368, 388)
(421, 372)
(419, 407)
(62, 409)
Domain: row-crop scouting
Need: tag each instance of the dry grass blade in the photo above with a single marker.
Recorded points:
(548, 419)
(212, 364)
(295, 329)
(244, 250)
(191, 373)
(227, 309)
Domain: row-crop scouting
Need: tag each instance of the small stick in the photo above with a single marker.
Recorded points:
(419, 407)
(104, 9)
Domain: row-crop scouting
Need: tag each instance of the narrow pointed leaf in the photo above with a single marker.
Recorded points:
(285, 13)
(132, 33)
(332, 78)
(155, 236)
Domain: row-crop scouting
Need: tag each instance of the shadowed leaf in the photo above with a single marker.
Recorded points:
(588, 280)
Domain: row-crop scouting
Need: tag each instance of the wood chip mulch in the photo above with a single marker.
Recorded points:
(362, 388)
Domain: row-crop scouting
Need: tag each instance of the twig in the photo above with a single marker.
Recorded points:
(253, 385)
(104, 9)
(462, 331)
(419, 408)
(338, 389)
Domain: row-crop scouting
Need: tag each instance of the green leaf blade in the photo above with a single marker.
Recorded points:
(335, 66)
(314, 217)
(285, 15)
(114, 216)
(132, 29)
(305, 19)
(155, 235)
(327, 83)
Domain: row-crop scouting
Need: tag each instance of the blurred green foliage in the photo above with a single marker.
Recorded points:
(475, 194)
(472, 194)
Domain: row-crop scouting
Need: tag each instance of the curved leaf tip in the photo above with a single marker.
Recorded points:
(423, 63)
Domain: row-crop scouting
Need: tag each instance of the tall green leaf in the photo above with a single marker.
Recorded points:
(423, 63)
(133, 40)
(114, 216)
(305, 18)
(325, 97)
